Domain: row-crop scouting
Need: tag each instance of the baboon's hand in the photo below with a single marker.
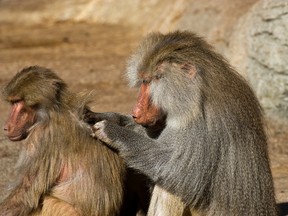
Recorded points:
(108, 133)
(98, 131)
(93, 117)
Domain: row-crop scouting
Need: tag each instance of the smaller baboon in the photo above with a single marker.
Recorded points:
(211, 148)
(62, 170)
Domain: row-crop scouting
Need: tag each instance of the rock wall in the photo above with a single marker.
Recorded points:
(261, 38)
(267, 52)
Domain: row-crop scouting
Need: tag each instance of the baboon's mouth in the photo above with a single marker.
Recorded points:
(15, 138)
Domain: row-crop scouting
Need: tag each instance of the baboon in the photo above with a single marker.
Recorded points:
(63, 171)
(211, 148)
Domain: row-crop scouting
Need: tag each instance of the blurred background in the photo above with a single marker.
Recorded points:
(87, 42)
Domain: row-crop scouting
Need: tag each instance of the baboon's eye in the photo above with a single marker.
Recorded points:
(146, 81)
(158, 76)
(15, 100)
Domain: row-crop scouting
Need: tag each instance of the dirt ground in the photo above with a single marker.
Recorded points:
(93, 57)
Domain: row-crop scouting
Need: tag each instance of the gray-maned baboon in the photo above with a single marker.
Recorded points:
(63, 171)
(211, 148)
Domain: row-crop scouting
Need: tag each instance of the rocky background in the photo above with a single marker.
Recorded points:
(87, 42)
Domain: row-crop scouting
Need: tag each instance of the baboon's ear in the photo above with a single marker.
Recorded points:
(57, 84)
(189, 69)
(58, 87)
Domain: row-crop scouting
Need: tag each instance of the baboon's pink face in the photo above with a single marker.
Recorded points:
(145, 112)
(20, 120)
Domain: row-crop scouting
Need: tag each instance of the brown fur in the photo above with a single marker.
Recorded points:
(62, 170)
